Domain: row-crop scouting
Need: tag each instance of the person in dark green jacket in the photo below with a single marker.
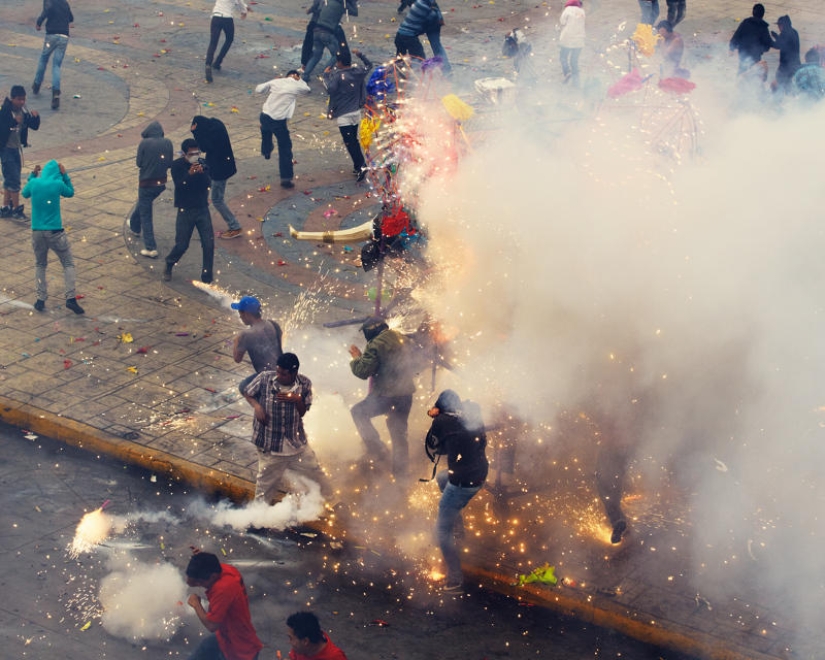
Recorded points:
(386, 360)
(45, 188)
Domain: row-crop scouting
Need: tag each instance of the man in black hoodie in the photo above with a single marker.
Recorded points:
(457, 432)
(787, 43)
(154, 158)
(58, 17)
(212, 137)
(751, 39)
(191, 200)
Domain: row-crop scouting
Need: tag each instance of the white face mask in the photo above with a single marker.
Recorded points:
(193, 158)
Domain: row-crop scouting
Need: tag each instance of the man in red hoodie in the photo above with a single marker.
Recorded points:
(228, 618)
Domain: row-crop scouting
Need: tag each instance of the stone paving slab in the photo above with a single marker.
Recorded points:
(175, 407)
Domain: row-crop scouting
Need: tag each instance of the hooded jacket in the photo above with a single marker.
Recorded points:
(154, 156)
(386, 358)
(57, 15)
(347, 87)
(8, 124)
(751, 39)
(456, 433)
(572, 22)
(330, 15)
(45, 192)
(212, 138)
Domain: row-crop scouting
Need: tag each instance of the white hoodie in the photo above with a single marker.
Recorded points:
(572, 27)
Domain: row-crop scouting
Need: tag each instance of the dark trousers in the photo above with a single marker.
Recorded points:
(675, 11)
(280, 129)
(405, 45)
(611, 468)
(219, 24)
(186, 222)
(306, 48)
(350, 135)
(397, 410)
(141, 219)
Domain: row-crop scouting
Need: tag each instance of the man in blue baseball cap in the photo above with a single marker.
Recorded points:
(262, 340)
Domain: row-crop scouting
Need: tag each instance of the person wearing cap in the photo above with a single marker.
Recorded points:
(232, 634)
(787, 43)
(457, 432)
(386, 361)
(280, 399)
(262, 341)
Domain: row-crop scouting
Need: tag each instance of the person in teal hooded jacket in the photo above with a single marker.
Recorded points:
(45, 188)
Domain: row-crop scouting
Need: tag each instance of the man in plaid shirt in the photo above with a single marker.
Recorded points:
(280, 399)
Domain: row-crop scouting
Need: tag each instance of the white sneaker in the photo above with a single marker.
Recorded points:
(152, 254)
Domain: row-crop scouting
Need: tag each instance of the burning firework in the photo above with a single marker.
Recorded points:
(92, 530)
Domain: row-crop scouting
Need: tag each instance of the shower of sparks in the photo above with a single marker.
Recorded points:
(92, 530)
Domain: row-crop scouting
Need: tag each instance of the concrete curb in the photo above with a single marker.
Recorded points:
(580, 605)
(91, 439)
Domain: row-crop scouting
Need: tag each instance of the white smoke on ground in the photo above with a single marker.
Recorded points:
(303, 505)
(592, 273)
(142, 601)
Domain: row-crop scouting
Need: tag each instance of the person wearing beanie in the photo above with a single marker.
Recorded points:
(45, 188)
(457, 432)
(571, 39)
(15, 122)
(386, 361)
(58, 18)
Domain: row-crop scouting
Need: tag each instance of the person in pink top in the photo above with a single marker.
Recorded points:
(228, 619)
(308, 641)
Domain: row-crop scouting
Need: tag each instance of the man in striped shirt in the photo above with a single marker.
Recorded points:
(280, 399)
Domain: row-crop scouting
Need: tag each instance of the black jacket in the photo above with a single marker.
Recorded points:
(191, 190)
(751, 39)
(212, 138)
(464, 447)
(7, 124)
(57, 15)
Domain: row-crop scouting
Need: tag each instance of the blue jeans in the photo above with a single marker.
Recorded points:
(54, 43)
(280, 129)
(186, 222)
(12, 164)
(434, 37)
(453, 500)
(650, 11)
(141, 219)
(321, 39)
(397, 410)
(218, 192)
(55, 240)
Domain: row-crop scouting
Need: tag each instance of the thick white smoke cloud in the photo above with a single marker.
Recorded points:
(142, 601)
(587, 273)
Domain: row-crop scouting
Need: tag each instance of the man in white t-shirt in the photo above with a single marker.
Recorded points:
(277, 111)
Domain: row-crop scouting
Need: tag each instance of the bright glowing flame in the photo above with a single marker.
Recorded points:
(92, 530)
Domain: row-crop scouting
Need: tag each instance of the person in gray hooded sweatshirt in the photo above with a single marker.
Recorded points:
(154, 158)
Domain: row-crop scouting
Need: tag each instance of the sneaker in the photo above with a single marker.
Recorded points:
(208, 73)
(167, 274)
(152, 254)
(361, 175)
(5, 212)
(40, 305)
(35, 88)
(71, 303)
(287, 183)
(232, 233)
(55, 99)
(453, 588)
(618, 531)
(18, 214)
(216, 66)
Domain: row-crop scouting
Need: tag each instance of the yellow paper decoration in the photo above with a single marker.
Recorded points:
(645, 39)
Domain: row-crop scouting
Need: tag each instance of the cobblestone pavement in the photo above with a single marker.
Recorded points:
(147, 373)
